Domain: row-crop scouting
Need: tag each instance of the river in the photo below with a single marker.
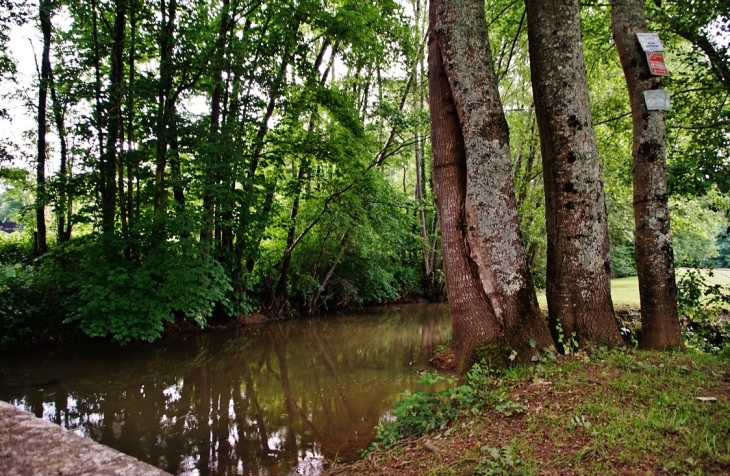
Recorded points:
(277, 399)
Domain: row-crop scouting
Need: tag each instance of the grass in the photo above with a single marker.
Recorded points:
(625, 291)
(596, 412)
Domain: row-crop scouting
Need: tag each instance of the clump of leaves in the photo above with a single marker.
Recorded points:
(130, 299)
(703, 310)
(423, 411)
(499, 461)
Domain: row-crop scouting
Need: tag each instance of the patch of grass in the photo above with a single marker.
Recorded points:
(600, 412)
(625, 291)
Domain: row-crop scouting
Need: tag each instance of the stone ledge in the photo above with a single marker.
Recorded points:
(32, 446)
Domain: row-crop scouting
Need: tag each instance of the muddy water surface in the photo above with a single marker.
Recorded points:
(278, 399)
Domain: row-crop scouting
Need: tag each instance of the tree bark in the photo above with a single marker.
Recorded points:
(660, 328)
(494, 239)
(165, 100)
(114, 121)
(578, 266)
(41, 245)
(473, 321)
(62, 209)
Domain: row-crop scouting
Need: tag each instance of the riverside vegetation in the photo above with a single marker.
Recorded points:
(596, 411)
(592, 411)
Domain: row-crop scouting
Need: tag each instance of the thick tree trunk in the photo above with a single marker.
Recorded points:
(492, 229)
(473, 321)
(45, 79)
(660, 327)
(578, 267)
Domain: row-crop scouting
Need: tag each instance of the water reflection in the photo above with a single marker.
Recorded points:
(267, 401)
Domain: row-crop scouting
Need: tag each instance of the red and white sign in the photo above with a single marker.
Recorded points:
(656, 63)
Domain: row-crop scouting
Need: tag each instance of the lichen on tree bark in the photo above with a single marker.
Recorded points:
(653, 235)
(490, 226)
(578, 268)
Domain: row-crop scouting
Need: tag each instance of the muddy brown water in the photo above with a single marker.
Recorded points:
(278, 399)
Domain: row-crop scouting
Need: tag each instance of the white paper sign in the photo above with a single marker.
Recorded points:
(657, 100)
(650, 41)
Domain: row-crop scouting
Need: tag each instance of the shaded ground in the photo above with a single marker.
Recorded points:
(613, 412)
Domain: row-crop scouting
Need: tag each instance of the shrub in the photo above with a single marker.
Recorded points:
(702, 307)
(128, 299)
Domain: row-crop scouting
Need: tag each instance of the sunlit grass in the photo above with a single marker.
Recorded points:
(625, 291)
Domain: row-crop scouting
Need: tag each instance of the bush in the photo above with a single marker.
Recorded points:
(28, 312)
(423, 411)
(703, 311)
(132, 298)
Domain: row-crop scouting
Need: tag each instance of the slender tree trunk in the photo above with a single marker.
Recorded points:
(578, 267)
(212, 175)
(131, 161)
(660, 327)
(280, 292)
(473, 321)
(165, 101)
(41, 245)
(492, 229)
(98, 107)
(114, 121)
(427, 246)
(314, 301)
(63, 195)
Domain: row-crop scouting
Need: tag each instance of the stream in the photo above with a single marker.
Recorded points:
(276, 399)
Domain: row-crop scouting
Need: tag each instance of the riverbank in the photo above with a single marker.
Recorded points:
(600, 412)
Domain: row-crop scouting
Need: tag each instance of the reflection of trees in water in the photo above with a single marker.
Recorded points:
(235, 403)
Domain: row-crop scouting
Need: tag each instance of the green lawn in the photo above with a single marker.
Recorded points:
(625, 291)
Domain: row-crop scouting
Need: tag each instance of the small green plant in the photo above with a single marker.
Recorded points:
(499, 461)
(569, 344)
(578, 420)
(423, 411)
(509, 408)
(594, 451)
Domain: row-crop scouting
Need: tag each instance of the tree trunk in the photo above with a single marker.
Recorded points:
(165, 100)
(212, 166)
(473, 321)
(494, 239)
(131, 153)
(314, 300)
(578, 267)
(114, 122)
(98, 106)
(660, 327)
(41, 245)
(62, 201)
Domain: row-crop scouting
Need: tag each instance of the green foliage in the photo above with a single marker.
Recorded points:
(129, 299)
(30, 309)
(694, 231)
(504, 461)
(423, 411)
(703, 308)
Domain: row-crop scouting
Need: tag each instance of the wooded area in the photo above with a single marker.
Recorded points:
(208, 159)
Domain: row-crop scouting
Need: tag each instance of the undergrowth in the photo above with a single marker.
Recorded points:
(597, 411)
